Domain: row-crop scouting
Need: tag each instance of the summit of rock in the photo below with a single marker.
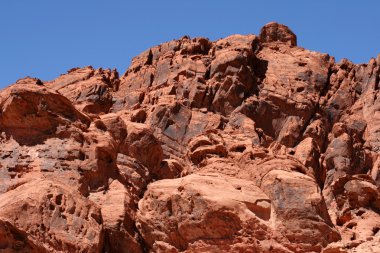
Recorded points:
(275, 32)
(244, 144)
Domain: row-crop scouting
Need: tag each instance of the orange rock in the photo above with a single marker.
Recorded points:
(52, 216)
(244, 144)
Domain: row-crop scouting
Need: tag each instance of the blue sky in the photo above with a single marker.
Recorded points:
(45, 38)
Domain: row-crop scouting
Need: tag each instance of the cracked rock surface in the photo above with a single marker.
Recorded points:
(244, 144)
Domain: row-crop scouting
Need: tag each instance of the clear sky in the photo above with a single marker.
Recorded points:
(45, 38)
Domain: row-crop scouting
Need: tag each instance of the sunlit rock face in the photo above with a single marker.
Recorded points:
(244, 144)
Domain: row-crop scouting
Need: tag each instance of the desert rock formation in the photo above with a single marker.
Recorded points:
(245, 144)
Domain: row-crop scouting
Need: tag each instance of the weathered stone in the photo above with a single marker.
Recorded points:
(244, 144)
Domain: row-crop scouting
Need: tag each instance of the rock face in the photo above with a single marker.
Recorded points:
(246, 144)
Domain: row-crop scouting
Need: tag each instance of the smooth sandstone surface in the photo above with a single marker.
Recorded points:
(244, 144)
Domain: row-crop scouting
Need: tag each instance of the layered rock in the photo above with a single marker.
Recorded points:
(245, 144)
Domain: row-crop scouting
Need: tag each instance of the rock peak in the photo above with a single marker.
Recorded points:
(275, 32)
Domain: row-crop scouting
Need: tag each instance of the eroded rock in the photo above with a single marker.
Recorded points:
(244, 144)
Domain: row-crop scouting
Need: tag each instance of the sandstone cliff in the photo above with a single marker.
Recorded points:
(246, 144)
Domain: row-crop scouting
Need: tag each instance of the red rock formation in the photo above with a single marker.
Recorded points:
(246, 144)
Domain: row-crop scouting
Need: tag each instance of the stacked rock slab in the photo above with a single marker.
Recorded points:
(245, 144)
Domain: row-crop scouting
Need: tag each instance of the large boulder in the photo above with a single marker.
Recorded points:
(51, 216)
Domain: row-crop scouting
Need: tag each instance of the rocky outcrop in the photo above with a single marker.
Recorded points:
(245, 144)
(53, 217)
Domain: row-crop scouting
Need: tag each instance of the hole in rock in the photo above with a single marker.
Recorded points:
(100, 125)
(360, 213)
(81, 156)
(239, 149)
(58, 199)
(351, 225)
